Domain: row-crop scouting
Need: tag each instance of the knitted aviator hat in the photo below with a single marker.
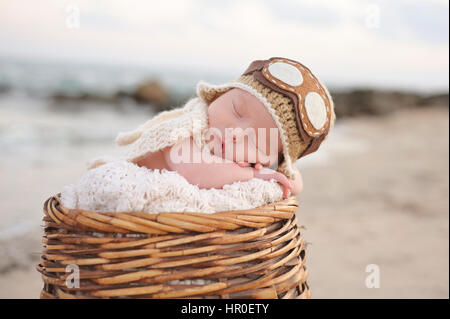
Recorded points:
(299, 103)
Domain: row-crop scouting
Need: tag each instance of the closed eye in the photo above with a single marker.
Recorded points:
(235, 111)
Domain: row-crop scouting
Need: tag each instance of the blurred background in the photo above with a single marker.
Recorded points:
(74, 73)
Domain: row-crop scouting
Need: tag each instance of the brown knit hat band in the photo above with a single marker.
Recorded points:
(284, 109)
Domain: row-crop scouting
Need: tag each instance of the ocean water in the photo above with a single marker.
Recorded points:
(31, 120)
(28, 125)
(43, 79)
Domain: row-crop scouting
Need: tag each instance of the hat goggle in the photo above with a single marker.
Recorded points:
(313, 104)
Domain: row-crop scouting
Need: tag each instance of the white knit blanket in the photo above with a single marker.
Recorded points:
(121, 186)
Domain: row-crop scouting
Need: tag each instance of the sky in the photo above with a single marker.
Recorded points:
(393, 44)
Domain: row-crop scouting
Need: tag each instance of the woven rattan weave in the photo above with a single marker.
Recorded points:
(254, 253)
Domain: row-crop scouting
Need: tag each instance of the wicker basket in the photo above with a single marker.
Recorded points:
(255, 253)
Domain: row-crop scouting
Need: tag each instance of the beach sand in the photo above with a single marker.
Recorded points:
(388, 206)
(378, 196)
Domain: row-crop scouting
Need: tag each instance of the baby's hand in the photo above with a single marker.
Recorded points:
(268, 174)
(258, 166)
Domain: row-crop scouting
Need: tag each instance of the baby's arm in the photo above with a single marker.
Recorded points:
(214, 174)
(217, 172)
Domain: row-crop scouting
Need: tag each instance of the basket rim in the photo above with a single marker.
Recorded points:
(57, 215)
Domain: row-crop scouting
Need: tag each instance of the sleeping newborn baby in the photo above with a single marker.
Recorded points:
(254, 127)
(238, 124)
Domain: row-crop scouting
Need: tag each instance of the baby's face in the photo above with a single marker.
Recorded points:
(243, 129)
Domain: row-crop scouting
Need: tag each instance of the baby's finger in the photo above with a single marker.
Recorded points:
(286, 193)
(283, 180)
(258, 166)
